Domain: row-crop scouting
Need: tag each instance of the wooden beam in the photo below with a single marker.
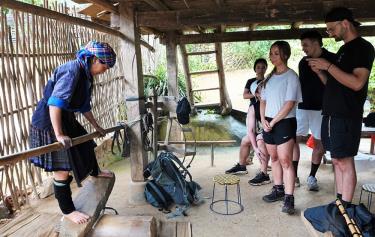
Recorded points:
(220, 3)
(249, 14)
(258, 35)
(105, 5)
(44, 12)
(158, 5)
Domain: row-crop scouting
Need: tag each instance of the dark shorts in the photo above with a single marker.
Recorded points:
(282, 131)
(341, 136)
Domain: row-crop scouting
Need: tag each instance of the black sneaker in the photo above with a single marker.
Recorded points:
(260, 179)
(289, 205)
(275, 195)
(237, 169)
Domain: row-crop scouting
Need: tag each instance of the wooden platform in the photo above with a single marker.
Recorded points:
(91, 199)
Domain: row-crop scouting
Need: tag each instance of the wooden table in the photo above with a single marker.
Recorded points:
(368, 132)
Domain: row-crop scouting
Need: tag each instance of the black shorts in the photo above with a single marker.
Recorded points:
(341, 136)
(282, 131)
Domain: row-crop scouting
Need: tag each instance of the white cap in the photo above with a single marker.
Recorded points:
(254, 87)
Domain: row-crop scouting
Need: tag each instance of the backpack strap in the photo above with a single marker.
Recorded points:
(154, 190)
(178, 161)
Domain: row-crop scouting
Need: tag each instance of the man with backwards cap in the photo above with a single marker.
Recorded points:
(67, 91)
(346, 81)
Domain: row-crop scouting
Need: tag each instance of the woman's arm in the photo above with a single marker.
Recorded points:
(251, 127)
(90, 117)
(55, 115)
(265, 123)
(284, 111)
(246, 94)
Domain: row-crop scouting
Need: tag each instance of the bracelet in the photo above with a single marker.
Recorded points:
(329, 67)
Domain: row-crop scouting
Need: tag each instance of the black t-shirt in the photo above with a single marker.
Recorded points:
(339, 100)
(247, 86)
(311, 86)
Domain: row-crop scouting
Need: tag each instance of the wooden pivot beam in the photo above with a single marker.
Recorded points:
(200, 53)
(258, 35)
(206, 89)
(91, 199)
(204, 72)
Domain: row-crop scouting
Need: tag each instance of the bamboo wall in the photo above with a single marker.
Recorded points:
(30, 48)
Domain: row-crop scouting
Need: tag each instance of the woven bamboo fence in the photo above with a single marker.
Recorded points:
(31, 47)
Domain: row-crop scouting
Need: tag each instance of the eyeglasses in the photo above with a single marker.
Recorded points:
(332, 29)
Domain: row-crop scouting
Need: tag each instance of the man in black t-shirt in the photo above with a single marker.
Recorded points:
(346, 89)
(309, 112)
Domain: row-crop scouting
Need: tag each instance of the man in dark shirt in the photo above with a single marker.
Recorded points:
(309, 112)
(346, 82)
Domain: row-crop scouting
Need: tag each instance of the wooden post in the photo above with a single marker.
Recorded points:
(172, 70)
(189, 87)
(212, 155)
(225, 102)
(172, 73)
(134, 87)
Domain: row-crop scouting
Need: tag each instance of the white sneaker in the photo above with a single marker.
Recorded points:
(312, 184)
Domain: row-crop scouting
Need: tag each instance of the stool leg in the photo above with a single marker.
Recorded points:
(226, 197)
(369, 206)
(238, 194)
(213, 194)
(360, 196)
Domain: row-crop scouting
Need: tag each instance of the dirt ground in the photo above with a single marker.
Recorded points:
(258, 218)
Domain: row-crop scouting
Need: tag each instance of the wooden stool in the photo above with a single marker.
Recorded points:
(227, 179)
(370, 189)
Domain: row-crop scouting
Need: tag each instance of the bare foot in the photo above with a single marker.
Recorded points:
(77, 217)
(105, 174)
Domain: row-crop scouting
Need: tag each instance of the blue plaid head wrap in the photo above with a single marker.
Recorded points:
(101, 50)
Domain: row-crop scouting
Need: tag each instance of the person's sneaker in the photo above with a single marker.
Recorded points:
(312, 184)
(237, 169)
(275, 195)
(260, 179)
(297, 183)
(288, 205)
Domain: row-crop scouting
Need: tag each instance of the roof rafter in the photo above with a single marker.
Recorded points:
(257, 35)
(157, 4)
(105, 5)
(249, 14)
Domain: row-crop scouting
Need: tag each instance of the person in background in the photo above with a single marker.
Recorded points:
(280, 95)
(68, 91)
(309, 112)
(346, 81)
(250, 139)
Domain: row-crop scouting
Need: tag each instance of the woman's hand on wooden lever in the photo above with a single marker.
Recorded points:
(64, 140)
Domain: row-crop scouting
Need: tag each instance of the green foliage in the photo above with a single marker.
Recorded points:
(159, 82)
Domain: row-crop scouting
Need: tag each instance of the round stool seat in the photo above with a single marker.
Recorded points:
(369, 188)
(226, 179)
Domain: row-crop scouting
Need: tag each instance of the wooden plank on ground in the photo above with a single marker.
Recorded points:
(125, 226)
(310, 229)
(174, 229)
(167, 229)
(184, 229)
(32, 223)
(91, 199)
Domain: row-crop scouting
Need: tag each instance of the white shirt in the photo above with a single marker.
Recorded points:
(280, 89)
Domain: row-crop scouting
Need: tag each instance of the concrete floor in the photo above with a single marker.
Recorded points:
(258, 218)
